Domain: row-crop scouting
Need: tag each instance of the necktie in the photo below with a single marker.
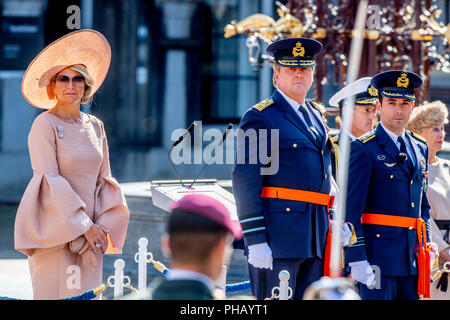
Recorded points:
(309, 123)
(403, 150)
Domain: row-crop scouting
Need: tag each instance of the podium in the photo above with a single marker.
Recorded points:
(164, 192)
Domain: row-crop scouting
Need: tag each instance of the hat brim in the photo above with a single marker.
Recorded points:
(296, 63)
(349, 90)
(399, 95)
(87, 47)
(366, 102)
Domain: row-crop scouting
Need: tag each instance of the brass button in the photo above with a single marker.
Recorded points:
(392, 176)
(288, 209)
(294, 145)
(410, 228)
(411, 182)
(378, 235)
(412, 204)
(322, 152)
(326, 176)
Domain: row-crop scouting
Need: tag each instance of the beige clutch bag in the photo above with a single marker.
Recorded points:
(76, 245)
(82, 248)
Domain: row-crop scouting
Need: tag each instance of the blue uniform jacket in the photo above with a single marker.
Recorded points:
(293, 229)
(379, 184)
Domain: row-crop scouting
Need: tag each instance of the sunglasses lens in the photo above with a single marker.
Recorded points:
(62, 79)
(77, 80)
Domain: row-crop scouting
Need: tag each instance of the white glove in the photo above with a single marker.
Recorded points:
(346, 233)
(260, 256)
(362, 272)
(334, 192)
(434, 254)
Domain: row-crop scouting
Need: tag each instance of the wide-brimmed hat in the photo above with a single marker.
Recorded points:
(86, 47)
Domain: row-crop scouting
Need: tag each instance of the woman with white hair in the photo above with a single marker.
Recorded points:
(428, 121)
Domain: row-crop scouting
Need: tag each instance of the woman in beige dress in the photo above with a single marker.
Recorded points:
(73, 211)
(428, 121)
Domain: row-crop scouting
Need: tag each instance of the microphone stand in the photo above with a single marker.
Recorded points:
(188, 131)
(224, 136)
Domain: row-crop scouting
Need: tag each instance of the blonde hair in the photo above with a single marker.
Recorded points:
(276, 68)
(431, 114)
(88, 82)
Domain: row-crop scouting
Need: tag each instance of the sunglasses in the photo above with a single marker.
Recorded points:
(77, 81)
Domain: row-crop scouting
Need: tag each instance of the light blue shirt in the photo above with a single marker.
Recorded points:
(295, 105)
(394, 138)
(351, 137)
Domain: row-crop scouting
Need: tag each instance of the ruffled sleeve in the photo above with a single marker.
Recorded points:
(111, 210)
(50, 213)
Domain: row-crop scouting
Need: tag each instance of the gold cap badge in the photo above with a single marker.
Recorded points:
(372, 91)
(403, 81)
(298, 50)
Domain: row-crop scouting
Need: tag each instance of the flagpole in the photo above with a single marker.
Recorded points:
(344, 140)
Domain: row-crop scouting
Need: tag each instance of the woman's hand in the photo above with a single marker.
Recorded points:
(97, 235)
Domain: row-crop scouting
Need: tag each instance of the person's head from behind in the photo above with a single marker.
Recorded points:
(199, 235)
(428, 120)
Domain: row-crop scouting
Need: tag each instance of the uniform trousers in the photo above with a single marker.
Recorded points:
(391, 288)
(302, 273)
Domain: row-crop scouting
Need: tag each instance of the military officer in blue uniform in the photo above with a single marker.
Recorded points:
(386, 199)
(365, 98)
(284, 226)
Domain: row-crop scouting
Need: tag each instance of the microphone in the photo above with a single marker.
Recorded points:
(221, 141)
(188, 131)
(402, 157)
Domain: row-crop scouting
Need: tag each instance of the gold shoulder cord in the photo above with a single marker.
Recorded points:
(418, 137)
(263, 104)
(318, 106)
(367, 137)
(334, 141)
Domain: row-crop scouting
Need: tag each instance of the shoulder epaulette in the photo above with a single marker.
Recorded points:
(318, 106)
(415, 135)
(263, 104)
(367, 137)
